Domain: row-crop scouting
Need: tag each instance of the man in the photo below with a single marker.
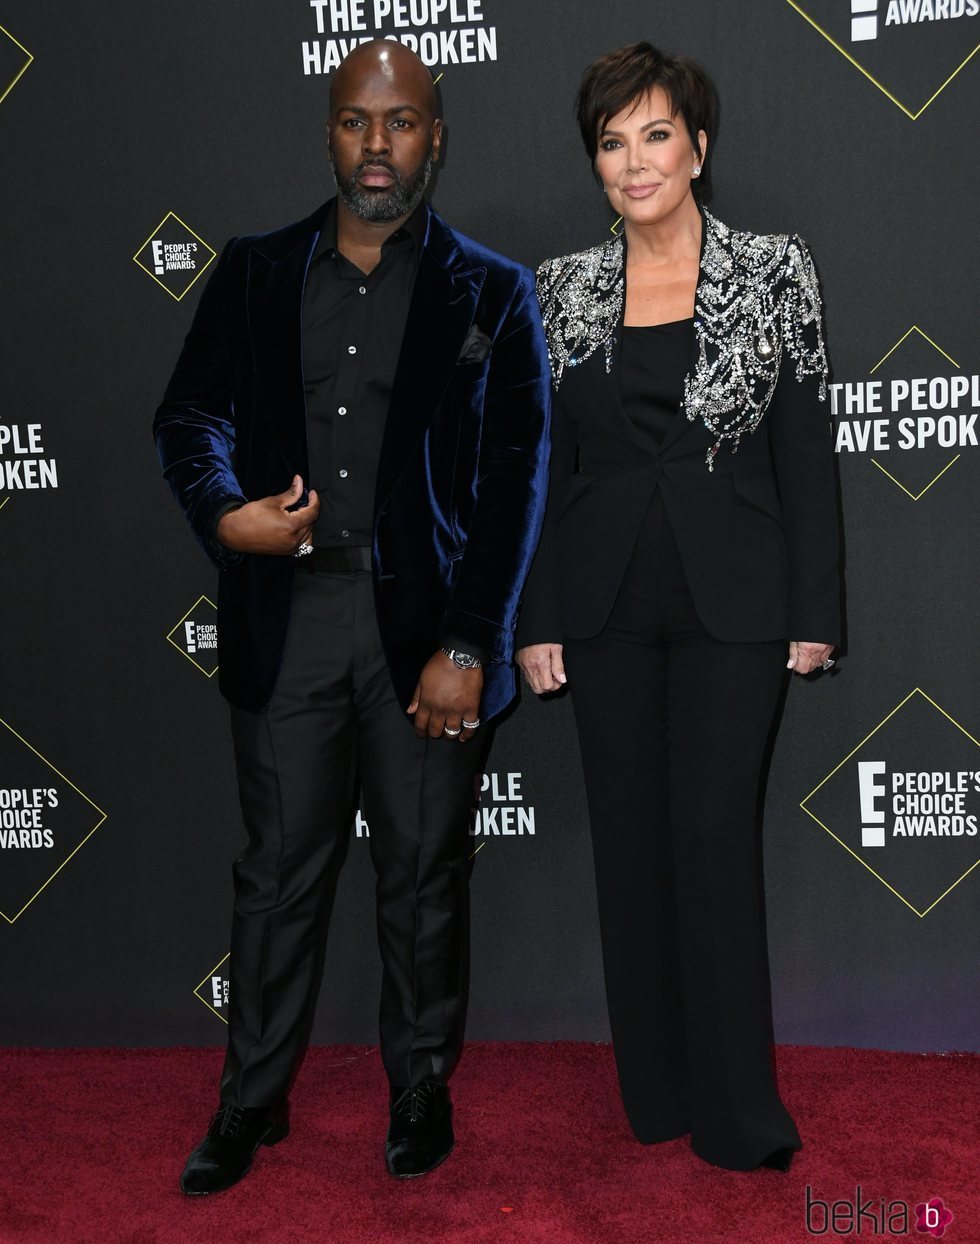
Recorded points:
(366, 621)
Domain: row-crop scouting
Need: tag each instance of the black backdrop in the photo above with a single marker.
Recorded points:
(117, 809)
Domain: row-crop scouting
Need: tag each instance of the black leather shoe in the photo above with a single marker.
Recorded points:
(421, 1133)
(225, 1155)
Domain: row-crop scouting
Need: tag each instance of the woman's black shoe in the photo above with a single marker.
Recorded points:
(225, 1155)
(778, 1160)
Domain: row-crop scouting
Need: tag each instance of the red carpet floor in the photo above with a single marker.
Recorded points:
(93, 1142)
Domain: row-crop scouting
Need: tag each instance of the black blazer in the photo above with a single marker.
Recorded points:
(463, 469)
(746, 472)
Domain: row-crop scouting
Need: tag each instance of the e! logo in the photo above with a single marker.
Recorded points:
(196, 636)
(872, 817)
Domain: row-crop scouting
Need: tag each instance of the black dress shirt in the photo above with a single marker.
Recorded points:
(353, 325)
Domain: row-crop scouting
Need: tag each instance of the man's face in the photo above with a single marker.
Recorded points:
(383, 139)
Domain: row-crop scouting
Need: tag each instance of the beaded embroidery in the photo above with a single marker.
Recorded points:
(757, 296)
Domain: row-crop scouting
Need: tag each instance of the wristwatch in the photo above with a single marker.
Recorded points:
(463, 660)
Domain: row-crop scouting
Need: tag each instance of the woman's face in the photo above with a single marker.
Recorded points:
(645, 159)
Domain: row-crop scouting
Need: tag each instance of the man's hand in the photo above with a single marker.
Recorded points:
(269, 526)
(543, 667)
(446, 696)
(805, 658)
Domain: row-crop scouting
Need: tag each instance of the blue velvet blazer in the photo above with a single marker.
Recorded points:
(462, 477)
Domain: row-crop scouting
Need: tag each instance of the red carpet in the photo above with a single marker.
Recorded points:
(93, 1142)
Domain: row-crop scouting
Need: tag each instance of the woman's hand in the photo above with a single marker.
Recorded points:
(543, 667)
(805, 658)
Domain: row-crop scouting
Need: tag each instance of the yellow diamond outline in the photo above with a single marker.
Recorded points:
(68, 858)
(4, 502)
(207, 978)
(914, 116)
(852, 752)
(916, 495)
(24, 68)
(153, 275)
(183, 651)
(925, 337)
(888, 353)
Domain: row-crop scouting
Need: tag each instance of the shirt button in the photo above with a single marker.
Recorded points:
(361, 289)
(352, 349)
(345, 533)
(342, 473)
(341, 410)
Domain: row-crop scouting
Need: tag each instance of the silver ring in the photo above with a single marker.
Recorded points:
(825, 665)
(471, 725)
(452, 733)
(303, 549)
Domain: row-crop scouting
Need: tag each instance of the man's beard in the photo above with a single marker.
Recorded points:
(399, 199)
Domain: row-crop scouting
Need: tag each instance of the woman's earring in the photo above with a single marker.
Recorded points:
(696, 171)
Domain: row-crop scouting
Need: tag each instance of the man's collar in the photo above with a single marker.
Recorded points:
(414, 228)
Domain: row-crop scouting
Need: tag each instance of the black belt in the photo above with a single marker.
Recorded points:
(338, 561)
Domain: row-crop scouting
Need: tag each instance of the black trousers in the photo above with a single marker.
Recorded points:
(673, 727)
(334, 721)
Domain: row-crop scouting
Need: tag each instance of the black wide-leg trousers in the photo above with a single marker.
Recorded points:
(334, 723)
(673, 727)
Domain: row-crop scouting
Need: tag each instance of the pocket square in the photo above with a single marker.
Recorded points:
(476, 347)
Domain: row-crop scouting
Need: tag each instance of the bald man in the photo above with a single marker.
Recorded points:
(356, 430)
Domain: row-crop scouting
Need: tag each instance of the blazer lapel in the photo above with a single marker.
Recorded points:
(444, 301)
(276, 280)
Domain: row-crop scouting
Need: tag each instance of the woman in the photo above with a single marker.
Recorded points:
(672, 574)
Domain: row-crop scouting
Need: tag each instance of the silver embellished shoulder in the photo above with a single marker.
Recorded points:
(757, 299)
(581, 299)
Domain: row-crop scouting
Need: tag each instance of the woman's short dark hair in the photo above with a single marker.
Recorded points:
(616, 80)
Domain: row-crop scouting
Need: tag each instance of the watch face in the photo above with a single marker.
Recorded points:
(462, 660)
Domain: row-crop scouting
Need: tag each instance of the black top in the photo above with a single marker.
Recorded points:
(653, 363)
(352, 334)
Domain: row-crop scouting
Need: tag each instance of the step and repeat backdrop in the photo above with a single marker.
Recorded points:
(135, 140)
